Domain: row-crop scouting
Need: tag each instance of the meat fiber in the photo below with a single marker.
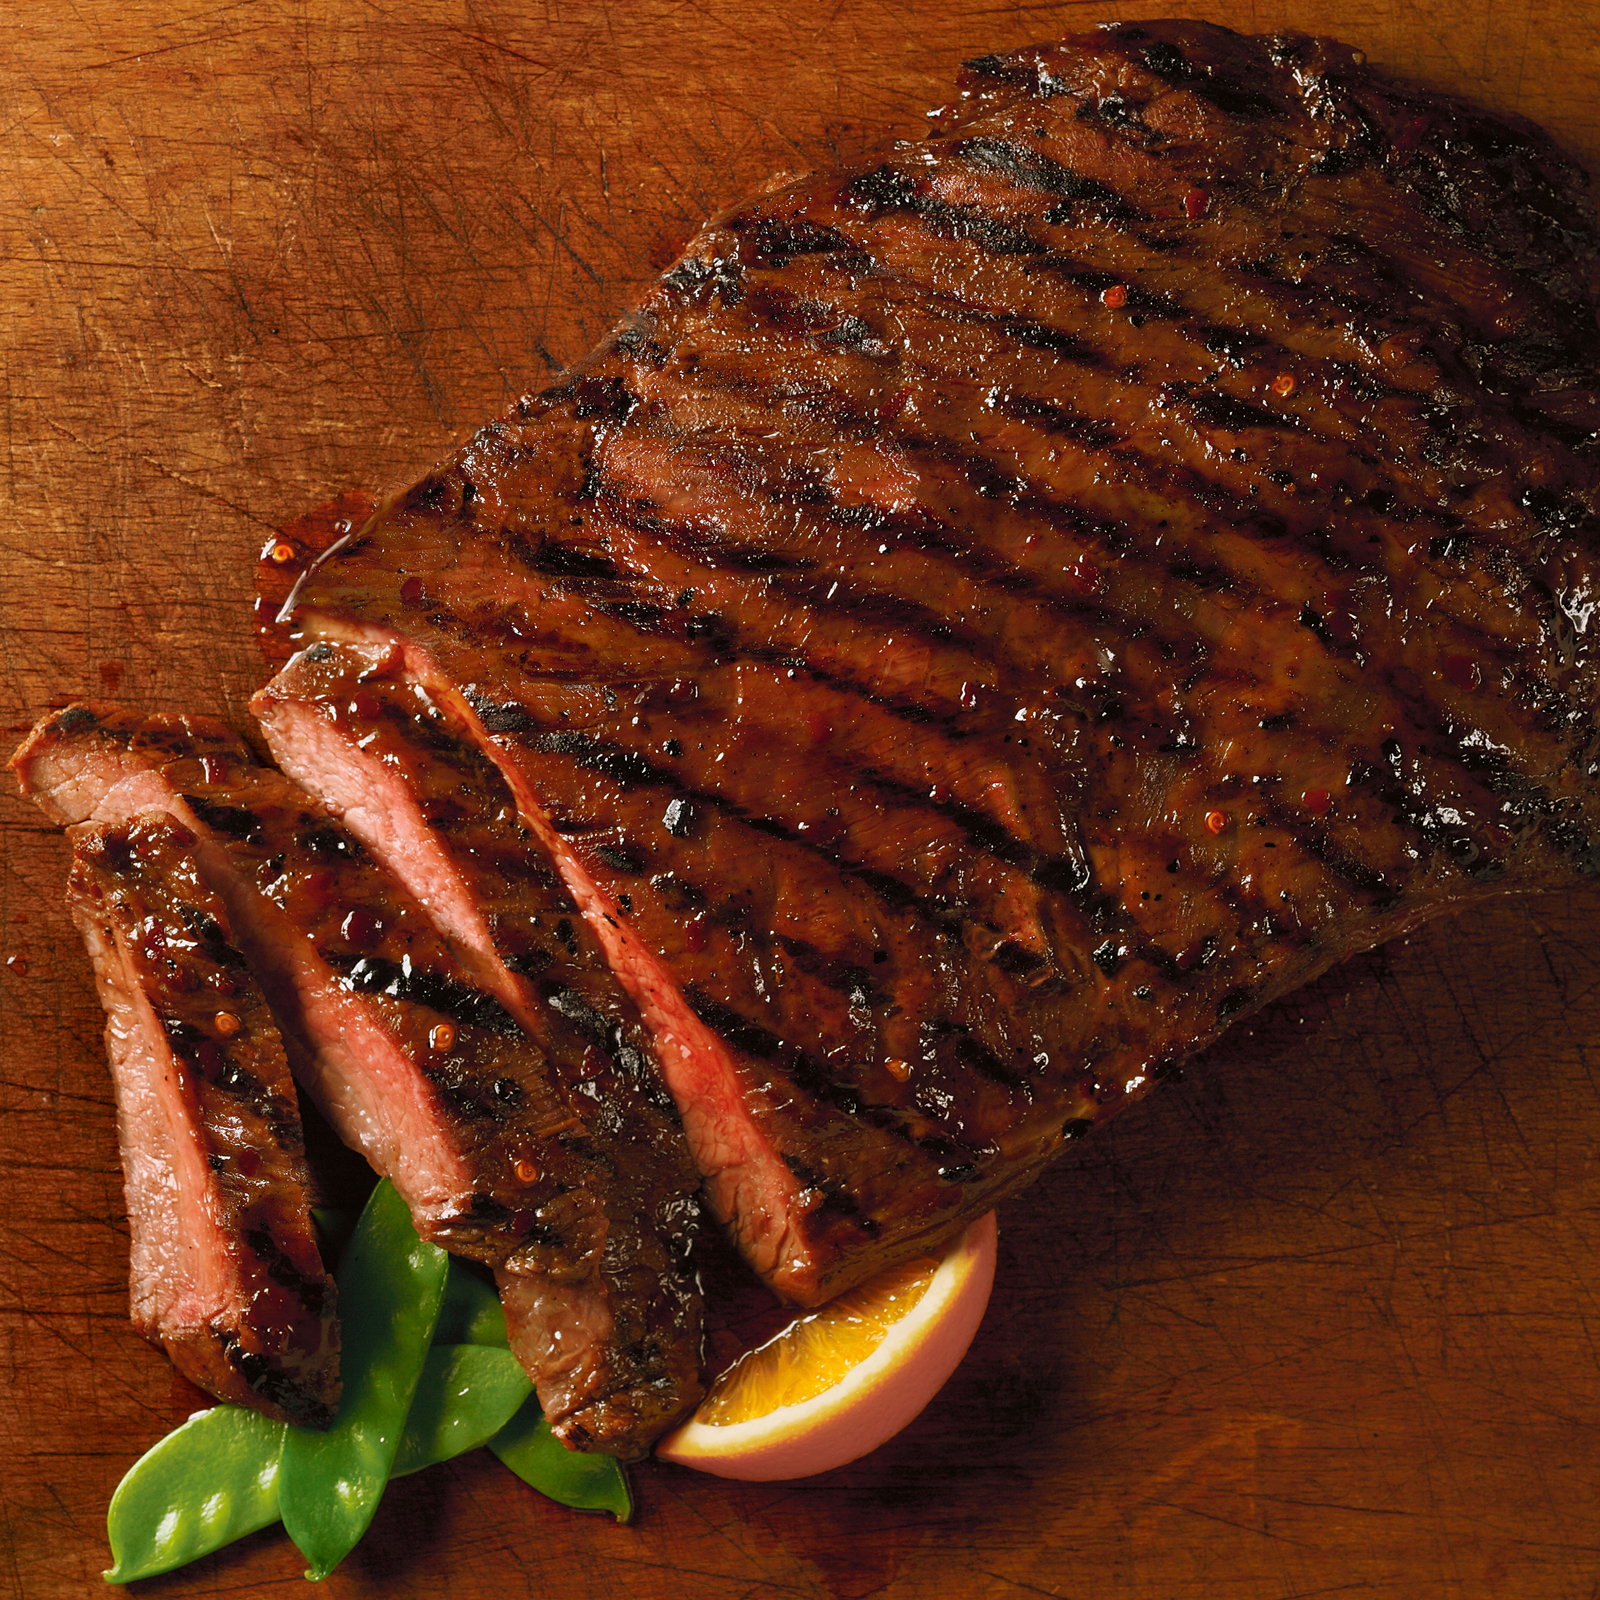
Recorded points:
(540, 1152)
(997, 614)
(225, 1272)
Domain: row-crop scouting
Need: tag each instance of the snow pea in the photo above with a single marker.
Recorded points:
(215, 1479)
(209, 1482)
(470, 1312)
(569, 1477)
(466, 1395)
(390, 1285)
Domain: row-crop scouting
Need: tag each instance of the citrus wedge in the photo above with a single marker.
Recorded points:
(838, 1381)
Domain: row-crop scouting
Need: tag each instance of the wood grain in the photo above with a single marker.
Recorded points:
(1319, 1320)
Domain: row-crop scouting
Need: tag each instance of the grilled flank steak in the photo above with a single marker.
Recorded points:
(995, 615)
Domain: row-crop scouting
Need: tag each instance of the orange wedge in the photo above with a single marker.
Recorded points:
(838, 1381)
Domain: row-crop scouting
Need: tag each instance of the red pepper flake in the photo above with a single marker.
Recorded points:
(898, 1070)
(361, 928)
(1317, 801)
(248, 1161)
(1084, 574)
(1196, 203)
(283, 553)
(695, 935)
(528, 1172)
(1216, 821)
(1462, 671)
(1284, 385)
(1115, 297)
(895, 404)
(225, 1023)
(411, 591)
(443, 1036)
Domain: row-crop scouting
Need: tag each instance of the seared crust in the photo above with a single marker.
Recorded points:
(1000, 613)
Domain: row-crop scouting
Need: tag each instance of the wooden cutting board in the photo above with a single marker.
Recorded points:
(1320, 1320)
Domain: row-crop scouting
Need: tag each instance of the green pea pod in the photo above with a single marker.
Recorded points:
(390, 1285)
(209, 1482)
(215, 1479)
(569, 1477)
(470, 1312)
(466, 1395)
(335, 1224)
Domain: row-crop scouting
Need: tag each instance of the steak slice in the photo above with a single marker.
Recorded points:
(544, 1158)
(1000, 613)
(225, 1273)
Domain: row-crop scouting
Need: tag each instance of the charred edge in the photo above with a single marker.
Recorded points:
(1167, 62)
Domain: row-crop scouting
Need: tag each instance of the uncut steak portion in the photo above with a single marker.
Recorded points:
(225, 1274)
(995, 615)
(545, 1157)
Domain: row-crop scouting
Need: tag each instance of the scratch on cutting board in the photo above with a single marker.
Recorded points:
(166, 472)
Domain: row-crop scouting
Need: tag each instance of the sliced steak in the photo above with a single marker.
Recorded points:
(547, 1159)
(225, 1273)
(412, 774)
(997, 614)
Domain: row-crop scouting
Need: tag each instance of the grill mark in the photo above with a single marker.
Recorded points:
(810, 1075)
(1020, 855)
(600, 756)
(845, 683)
(1233, 509)
(1033, 77)
(1333, 441)
(1057, 874)
(1273, 345)
(1529, 801)
(1056, 422)
(1124, 620)
(376, 975)
(1032, 169)
(1212, 408)
(890, 189)
(1217, 89)
(1316, 844)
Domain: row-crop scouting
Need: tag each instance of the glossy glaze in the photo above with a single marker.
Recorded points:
(225, 1272)
(994, 616)
(525, 1154)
